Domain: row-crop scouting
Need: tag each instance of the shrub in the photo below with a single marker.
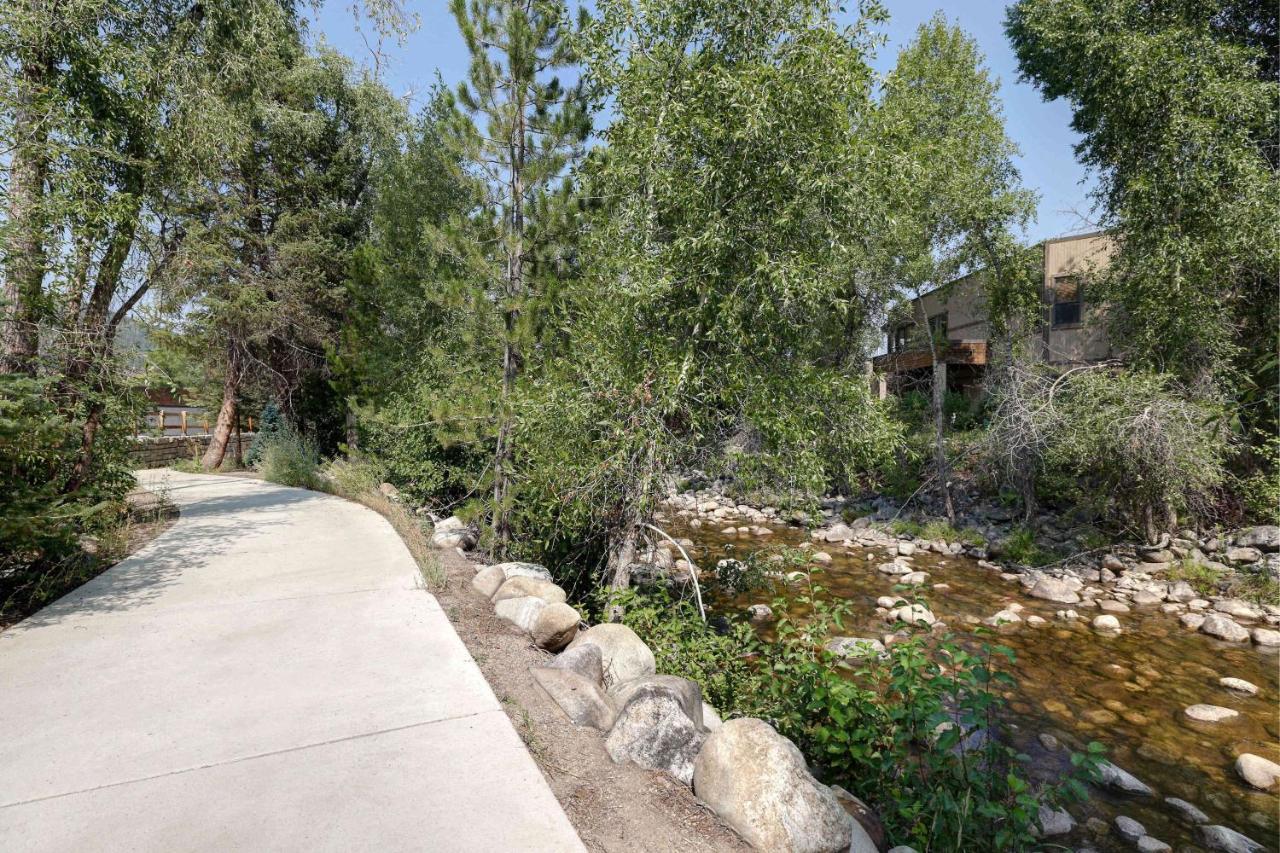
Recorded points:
(916, 739)
(1020, 547)
(684, 645)
(289, 459)
(269, 423)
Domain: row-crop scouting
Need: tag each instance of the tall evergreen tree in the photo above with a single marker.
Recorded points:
(520, 128)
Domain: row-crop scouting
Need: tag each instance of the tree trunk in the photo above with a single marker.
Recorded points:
(939, 435)
(88, 435)
(511, 349)
(227, 414)
(622, 555)
(24, 267)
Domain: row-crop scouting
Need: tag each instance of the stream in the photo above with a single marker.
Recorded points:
(1128, 690)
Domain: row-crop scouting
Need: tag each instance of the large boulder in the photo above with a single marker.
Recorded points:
(625, 656)
(522, 612)
(520, 586)
(868, 831)
(1228, 840)
(556, 626)
(1123, 781)
(757, 782)
(584, 660)
(1259, 772)
(582, 700)
(453, 532)
(837, 533)
(1062, 590)
(654, 728)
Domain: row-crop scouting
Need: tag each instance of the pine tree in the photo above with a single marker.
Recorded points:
(520, 129)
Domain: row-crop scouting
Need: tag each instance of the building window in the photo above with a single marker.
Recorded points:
(938, 327)
(1068, 297)
(899, 337)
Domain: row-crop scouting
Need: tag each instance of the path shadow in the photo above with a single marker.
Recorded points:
(206, 528)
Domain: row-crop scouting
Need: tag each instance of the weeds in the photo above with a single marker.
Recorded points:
(937, 530)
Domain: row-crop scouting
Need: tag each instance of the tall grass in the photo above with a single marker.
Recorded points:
(290, 459)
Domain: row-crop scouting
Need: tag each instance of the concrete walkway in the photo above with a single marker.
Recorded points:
(268, 674)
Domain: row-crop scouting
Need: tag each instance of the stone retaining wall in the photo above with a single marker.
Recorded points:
(157, 452)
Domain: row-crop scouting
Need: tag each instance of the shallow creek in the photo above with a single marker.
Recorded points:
(1127, 691)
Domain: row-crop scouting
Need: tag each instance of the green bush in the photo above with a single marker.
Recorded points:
(684, 645)
(289, 459)
(353, 476)
(1020, 547)
(916, 739)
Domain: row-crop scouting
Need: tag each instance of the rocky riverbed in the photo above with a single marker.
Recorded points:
(1182, 690)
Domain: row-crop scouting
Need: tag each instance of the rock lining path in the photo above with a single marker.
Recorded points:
(267, 674)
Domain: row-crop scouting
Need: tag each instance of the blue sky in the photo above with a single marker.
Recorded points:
(1040, 129)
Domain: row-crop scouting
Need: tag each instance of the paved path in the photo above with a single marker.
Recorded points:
(267, 674)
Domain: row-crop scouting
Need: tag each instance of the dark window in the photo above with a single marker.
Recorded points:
(1067, 301)
(938, 327)
(898, 340)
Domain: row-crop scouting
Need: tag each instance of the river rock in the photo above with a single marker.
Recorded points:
(914, 578)
(527, 570)
(487, 580)
(453, 532)
(1146, 598)
(520, 586)
(1265, 537)
(1150, 844)
(837, 533)
(1239, 685)
(854, 648)
(1228, 840)
(1238, 608)
(623, 654)
(912, 614)
(1106, 622)
(1265, 636)
(1258, 771)
(653, 728)
(556, 626)
(711, 718)
(906, 549)
(1004, 617)
(1192, 620)
(582, 700)
(757, 782)
(1129, 829)
(1061, 590)
(1180, 591)
(893, 569)
(1108, 605)
(1224, 628)
(1117, 779)
(865, 820)
(1055, 821)
(760, 613)
(522, 612)
(1209, 713)
(1186, 811)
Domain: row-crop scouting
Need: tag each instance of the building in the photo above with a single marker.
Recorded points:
(1072, 330)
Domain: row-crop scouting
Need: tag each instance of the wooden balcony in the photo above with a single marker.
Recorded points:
(955, 352)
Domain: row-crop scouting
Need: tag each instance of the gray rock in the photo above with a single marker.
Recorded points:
(519, 587)
(893, 569)
(1180, 591)
(760, 613)
(1106, 622)
(1062, 590)
(1243, 555)
(687, 693)
(1209, 713)
(453, 532)
(1116, 779)
(1144, 598)
(1055, 821)
(912, 614)
(653, 731)
(1238, 608)
(1107, 605)
(584, 660)
(855, 648)
(625, 656)
(1186, 811)
(1224, 628)
(522, 612)
(1239, 685)
(487, 580)
(1265, 537)
(1129, 829)
(556, 626)
(1257, 771)
(757, 782)
(1228, 840)
(837, 533)
(710, 718)
(527, 570)
(582, 701)
(1148, 844)
(1265, 637)
(1192, 620)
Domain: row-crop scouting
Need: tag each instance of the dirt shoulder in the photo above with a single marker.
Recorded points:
(613, 807)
